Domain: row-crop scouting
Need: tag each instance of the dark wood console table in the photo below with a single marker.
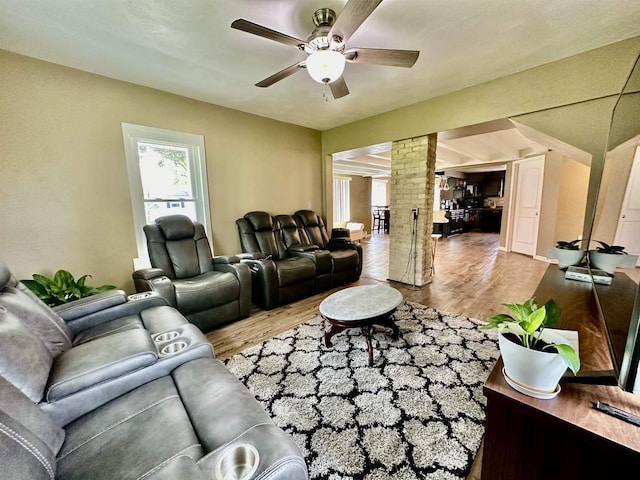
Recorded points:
(564, 438)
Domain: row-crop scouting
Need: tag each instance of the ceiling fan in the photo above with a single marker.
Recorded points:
(326, 46)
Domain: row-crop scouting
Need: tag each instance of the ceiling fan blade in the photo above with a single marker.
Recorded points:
(382, 56)
(254, 28)
(276, 77)
(354, 13)
(339, 88)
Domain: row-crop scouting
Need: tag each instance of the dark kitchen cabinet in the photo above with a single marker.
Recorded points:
(491, 220)
(473, 220)
(493, 184)
(456, 221)
(483, 219)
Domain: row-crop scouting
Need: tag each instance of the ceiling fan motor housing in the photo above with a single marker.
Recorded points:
(323, 19)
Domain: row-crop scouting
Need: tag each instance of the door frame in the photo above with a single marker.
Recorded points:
(513, 197)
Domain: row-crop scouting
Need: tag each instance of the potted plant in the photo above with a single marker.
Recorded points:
(62, 288)
(609, 257)
(534, 358)
(567, 253)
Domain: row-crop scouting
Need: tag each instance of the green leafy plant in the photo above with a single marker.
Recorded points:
(531, 321)
(62, 288)
(612, 249)
(572, 245)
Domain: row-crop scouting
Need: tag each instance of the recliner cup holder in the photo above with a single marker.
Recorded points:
(239, 462)
(139, 296)
(166, 336)
(173, 347)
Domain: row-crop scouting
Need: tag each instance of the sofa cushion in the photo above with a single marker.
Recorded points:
(345, 260)
(100, 360)
(295, 270)
(313, 227)
(41, 319)
(24, 454)
(130, 437)
(176, 227)
(206, 291)
(21, 409)
(24, 359)
(128, 322)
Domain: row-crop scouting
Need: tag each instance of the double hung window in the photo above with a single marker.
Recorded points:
(167, 176)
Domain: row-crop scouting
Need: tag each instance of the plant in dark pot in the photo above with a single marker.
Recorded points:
(609, 257)
(567, 253)
(62, 288)
(534, 358)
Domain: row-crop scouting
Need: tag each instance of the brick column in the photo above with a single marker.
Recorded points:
(413, 164)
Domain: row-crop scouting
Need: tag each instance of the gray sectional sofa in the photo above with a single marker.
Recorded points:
(117, 387)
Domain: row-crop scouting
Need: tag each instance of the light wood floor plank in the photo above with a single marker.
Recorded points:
(472, 278)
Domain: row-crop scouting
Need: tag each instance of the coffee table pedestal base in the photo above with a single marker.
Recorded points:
(338, 326)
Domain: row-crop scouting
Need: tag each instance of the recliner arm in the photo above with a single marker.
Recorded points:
(131, 305)
(148, 273)
(88, 305)
(155, 280)
(341, 244)
(243, 274)
(225, 260)
(264, 281)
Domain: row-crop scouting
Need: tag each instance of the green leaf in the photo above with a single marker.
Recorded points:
(102, 288)
(534, 320)
(42, 280)
(63, 277)
(497, 321)
(35, 287)
(62, 288)
(553, 313)
(521, 310)
(570, 357)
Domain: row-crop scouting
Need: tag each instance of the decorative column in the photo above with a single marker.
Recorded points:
(413, 162)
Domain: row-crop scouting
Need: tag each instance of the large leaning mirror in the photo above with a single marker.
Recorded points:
(617, 222)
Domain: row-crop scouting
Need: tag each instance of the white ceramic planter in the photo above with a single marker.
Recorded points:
(609, 262)
(533, 369)
(565, 258)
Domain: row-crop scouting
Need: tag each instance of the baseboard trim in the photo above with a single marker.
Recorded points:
(544, 259)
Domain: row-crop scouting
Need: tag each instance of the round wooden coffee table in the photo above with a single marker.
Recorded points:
(361, 307)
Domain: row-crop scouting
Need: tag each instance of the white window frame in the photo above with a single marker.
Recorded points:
(132, 134)
(341, 200)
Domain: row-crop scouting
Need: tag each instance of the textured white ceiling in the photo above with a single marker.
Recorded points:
(187, 47)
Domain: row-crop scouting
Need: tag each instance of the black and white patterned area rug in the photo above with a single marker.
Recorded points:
(417, 413)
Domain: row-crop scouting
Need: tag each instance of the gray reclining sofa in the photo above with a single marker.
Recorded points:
(292, 256)
(117, 387)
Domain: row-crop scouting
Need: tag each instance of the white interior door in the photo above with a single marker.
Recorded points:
(528, 195)
(628, 231)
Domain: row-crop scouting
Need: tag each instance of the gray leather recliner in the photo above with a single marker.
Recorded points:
(74, 358)
(209, 291)
(186, 420)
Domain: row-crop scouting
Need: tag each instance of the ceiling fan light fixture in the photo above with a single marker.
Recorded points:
(325, 66)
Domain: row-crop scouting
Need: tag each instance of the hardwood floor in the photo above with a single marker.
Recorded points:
(472, 278)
